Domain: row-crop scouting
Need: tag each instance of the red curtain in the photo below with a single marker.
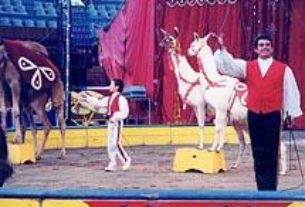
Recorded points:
(127, 49)
(296, 50)
(130, 49)
(200, 19)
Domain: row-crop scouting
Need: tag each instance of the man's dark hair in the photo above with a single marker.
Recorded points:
(262, 37)
(120, 84)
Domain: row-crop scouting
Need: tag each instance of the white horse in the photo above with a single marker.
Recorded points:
(189, 82)
(224, 94)
(229, 100)
(192, 88)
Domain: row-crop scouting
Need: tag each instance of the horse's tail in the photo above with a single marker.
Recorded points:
(57, 94)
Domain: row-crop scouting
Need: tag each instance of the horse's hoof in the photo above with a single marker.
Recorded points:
(62, 157)
(200, 147)
(234, 166)
(219, 148)
(211, 150)
(38, 157)
(283, 172)
(16, 141)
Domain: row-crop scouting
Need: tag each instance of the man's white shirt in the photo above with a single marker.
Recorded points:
(123, 111)
(227, 65)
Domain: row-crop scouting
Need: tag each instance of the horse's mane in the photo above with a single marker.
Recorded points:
(178, 47)
(187, 71)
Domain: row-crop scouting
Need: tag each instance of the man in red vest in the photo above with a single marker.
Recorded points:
(118, 110)
(272, 92)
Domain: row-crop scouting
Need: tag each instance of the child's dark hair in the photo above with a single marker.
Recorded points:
(262, 37)
(120, 84)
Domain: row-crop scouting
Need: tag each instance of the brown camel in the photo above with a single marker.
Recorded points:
(33, 80)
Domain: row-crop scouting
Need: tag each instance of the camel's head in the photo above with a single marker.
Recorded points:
(170, 40)
(198, 44)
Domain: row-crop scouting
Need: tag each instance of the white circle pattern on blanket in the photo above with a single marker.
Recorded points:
(36, 81)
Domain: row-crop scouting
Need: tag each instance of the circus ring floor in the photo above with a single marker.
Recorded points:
(152, 150)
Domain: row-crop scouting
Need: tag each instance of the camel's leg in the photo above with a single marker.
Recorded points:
(58, 99)
(220, 125)
(200, 115)
(3, 108)
(283, 159)
(30, 115)
(61, 121)
(15, 88)
(242, 141)
(13, 78)
(46, 125)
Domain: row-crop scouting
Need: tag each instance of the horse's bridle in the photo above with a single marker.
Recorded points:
(198, 50)
(192, 84)
(174, 48)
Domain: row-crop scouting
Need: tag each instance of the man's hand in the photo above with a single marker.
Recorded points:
(219, 39)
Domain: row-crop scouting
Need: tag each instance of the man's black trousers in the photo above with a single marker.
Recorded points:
(264, 131)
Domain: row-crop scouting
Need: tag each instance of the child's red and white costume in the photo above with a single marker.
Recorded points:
(118, 110)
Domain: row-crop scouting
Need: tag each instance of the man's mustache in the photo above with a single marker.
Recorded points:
(266, 50)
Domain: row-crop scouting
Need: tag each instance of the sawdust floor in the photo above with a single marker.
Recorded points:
(151, 169)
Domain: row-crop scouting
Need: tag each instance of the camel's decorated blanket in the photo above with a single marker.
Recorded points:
(32, 63)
